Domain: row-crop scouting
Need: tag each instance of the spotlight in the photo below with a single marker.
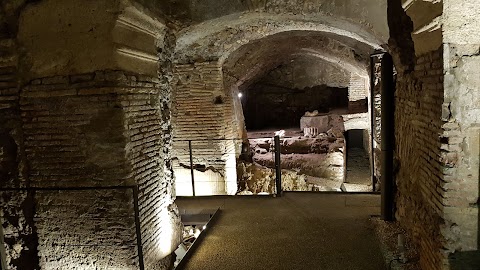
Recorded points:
(204, 227)
(240, 95)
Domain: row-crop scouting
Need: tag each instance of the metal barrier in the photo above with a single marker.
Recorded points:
(134, 189)
(196, 157)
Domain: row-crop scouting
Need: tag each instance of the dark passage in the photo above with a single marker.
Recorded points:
(270, 106)
(358, 164)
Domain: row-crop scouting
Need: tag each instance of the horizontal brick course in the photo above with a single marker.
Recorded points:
(420, 182)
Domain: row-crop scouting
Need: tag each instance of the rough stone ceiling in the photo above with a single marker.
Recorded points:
(254, 60)
(370, 14)
(218, 38)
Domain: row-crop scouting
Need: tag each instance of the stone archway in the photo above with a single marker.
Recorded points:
(220, 51)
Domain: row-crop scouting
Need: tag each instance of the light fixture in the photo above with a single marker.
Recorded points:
(240, 95)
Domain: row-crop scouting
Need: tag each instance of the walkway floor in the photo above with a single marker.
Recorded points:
(297, 231)
(358, 171)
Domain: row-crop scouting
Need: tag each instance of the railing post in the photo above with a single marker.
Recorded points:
(138, 229)
(191, 167)
(278, 169)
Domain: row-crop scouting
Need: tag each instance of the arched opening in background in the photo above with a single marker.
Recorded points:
(309, 79)
(311, 87)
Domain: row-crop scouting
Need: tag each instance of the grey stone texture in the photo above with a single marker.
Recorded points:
(98, 100)
(86, 139)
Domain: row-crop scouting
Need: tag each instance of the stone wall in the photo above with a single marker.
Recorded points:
(203, 113)
(438, 165)
(418, 108)
(16, 211)
(90, 183)
(304, 71)
(461, 132)
(100, 133)
(358, 93)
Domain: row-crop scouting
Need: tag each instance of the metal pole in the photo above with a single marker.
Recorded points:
(191, 168)
(138, 229)
(388, 137)
(278, 169)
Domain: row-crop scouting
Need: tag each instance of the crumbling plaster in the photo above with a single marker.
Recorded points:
(461, 114)
(60, 38)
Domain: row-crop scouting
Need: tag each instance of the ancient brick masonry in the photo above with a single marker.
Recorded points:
(92, 140)
(203, 113)
(419, 99)
(10, 128)
(357, 91)
(17, 207)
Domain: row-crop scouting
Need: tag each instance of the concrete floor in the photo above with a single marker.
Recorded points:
(297, 231)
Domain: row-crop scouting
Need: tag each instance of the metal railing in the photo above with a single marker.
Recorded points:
(134, 189)
(203, 156)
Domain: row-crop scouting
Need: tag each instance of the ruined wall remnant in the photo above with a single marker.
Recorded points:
(255, 179)
(203, 113)
(461, 131)
(358, 94)
(94, 130)
(418, 150)
(320, 160)
(437, 142)
(418, 106)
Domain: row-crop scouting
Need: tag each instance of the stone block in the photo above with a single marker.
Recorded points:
(82, 78)
(55, 80)
(322, 122)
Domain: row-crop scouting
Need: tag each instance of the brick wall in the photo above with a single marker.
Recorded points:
(357, 93)
(10, 127)
(147, 114)
(418, 110)
(357, 88)
(16, 207)
(86, 229)
(98, 138)
(204, 113)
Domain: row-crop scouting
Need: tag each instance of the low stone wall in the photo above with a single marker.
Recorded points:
(321, 157)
